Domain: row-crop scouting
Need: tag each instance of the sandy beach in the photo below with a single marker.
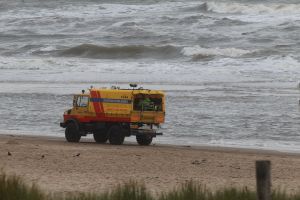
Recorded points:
(57, 166)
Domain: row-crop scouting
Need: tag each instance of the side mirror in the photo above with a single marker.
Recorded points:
(75, 101)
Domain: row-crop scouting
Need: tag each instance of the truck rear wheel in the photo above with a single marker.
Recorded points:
(144, 139)
(115, 135)
(100, 136)
(72, 132)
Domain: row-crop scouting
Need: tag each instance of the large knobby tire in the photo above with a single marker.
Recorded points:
(144, 139)
(100, 136)
(72, 133)
(116, 135)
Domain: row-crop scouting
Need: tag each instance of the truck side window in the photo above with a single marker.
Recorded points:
(82, 101)
(147, 103)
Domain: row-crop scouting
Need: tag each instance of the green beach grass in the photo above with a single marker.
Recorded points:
(13, 188)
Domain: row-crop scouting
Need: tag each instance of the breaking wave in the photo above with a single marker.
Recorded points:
(128, 52)
(198, 52)
(139, 51)
(161, 52)
(272, 8)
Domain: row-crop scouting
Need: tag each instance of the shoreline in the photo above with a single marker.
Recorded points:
(57, 166)
(164, 145)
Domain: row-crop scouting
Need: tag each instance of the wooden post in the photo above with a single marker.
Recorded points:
(263, 179)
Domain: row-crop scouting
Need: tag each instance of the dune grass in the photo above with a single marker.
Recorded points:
(131, 190)
(193, 191)
(13, 188)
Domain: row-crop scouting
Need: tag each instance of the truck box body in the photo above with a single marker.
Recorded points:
(116, 105)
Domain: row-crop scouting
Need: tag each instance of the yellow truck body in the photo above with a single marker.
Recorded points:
(102, 111)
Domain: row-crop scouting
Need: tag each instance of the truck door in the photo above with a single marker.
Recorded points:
(81, 103)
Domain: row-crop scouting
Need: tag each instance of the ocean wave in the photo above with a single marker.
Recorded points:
(198, 52)
(191, 19)
(202, 7)
(158, 52)
(271, 8)
(133, 51)
(229, 22)
(129, 51)
(265, 53)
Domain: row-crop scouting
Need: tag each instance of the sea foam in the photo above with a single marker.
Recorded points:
(272, 8)
(197, 51)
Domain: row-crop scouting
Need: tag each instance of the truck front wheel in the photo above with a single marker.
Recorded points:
(72, 132)
(144, 139)
(115, 135)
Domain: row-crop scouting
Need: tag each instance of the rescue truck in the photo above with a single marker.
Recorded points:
(113, 114)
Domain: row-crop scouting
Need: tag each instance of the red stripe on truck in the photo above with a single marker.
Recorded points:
(96, 104)
(100, 103)
(102, 118)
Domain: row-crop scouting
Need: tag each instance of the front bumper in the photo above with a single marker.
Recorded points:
(62, 124)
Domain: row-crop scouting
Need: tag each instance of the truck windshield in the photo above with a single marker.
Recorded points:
(147, 103)
(81, 101)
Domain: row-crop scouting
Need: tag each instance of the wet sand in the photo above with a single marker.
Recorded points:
(57, 166)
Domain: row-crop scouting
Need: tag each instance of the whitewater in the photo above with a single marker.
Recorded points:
(230, 68)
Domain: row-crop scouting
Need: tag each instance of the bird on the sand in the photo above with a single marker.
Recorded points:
(8, 153)
(77, 155)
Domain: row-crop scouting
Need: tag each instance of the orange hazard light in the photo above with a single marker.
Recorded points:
(135, 118)
(160, 119)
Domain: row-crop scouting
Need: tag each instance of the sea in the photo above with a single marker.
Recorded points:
(230, 68)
